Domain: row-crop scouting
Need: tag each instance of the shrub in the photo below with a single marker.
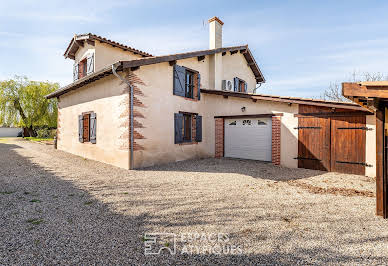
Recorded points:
(45, 133)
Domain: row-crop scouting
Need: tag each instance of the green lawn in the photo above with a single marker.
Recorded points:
(38, 139)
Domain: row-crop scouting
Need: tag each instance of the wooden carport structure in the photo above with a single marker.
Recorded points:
(374, 96)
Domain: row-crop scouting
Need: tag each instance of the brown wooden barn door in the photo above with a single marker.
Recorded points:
(348, 144)
(314, 143)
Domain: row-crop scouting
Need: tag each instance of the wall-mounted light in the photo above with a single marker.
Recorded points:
(243, 109)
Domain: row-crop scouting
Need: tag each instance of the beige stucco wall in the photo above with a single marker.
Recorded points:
(107, 55)
(104, 54)
(83, 52)
(370, 146)
(109, 100)
(160, 106)
(236, 66)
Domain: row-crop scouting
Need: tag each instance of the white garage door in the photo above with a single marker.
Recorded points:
(249, 138)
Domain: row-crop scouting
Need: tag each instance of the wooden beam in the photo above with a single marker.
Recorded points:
(223, 53)
(243, 51)
(173, 62)
(380, 162)
(285, 99)
(168, 58)
(201, 57)
(233, 52)
(226, 96)
(331, 114)
(249, 116)
(91, 42)
(357, 90)
(254, 100)
(80, 43)
(135, 68)
(275, 99)
(385, 167)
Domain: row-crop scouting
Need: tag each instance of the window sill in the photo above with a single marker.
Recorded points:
(187, 98)
(188, 143)
(191, 99)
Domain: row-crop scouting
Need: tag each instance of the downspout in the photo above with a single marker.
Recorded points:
(257, 87)
(114, 68)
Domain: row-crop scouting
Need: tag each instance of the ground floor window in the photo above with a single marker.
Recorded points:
(87, 127)
(188, 127)
(186, 130)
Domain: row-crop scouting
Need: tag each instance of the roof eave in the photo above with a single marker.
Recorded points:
(85, 80)
(290, 100)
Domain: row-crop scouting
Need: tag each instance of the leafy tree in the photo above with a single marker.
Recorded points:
(334, 91)
(22, 103)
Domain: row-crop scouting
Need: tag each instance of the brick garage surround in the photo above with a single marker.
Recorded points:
(220, 138)
(219, 135)
(276, 126)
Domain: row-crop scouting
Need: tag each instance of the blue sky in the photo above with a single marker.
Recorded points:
(300, 46)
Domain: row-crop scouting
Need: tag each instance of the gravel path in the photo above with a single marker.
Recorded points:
(56, 208)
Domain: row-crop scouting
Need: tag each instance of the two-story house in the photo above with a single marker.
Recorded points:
(131, 109)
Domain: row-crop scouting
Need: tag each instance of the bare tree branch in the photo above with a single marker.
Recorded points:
(334, 91)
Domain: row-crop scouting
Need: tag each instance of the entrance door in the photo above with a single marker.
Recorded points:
(314, 143)
(332, 142)
(348, 145)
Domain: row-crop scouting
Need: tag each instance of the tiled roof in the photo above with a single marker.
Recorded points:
(285, 99)
(160, 59)
(75, 43)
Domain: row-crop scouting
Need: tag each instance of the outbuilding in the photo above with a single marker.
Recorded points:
(10, 132)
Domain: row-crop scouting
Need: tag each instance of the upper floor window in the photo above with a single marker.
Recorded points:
(186, 82)
(240, 85)
(83, 67)
(189, 86)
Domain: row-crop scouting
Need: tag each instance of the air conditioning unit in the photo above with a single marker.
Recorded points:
(227, 85)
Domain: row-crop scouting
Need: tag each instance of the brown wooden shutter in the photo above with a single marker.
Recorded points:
(86, 126)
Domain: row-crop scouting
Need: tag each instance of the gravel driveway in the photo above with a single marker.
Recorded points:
(57, 208)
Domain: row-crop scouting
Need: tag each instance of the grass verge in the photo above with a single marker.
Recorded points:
(38, 139)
